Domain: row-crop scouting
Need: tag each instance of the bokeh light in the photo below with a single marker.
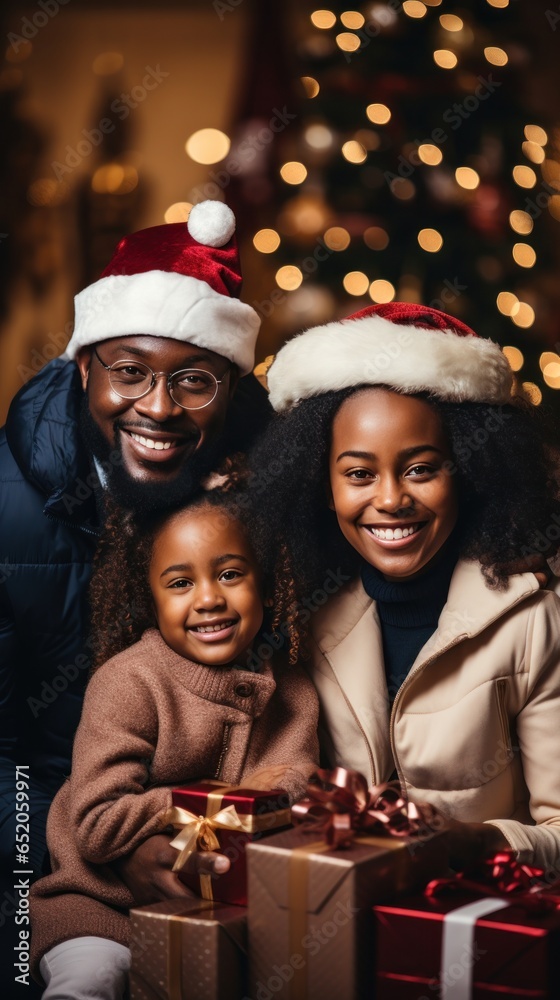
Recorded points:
(382, 291)
(356, 283)
(266, 240)
(208, 145)
(289, 277)
(430, 240)
(515, 358)
(293, 172)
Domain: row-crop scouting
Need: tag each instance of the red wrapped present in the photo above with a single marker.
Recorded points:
(212, 816)
(489, 935)
(311, 888)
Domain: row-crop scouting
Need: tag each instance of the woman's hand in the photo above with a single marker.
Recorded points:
(147, 872)
(468, 843)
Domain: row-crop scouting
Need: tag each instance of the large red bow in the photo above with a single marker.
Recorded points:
(347, 807)
(501, 875)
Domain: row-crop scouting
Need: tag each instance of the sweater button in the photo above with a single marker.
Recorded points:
(244, 690)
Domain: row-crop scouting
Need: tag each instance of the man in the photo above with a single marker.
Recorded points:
(136, 409)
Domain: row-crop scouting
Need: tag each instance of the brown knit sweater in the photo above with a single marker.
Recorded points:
(151, 721)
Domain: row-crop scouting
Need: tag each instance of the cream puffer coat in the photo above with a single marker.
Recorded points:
(475, 727)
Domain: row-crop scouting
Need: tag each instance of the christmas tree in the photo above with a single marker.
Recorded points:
(414, 172)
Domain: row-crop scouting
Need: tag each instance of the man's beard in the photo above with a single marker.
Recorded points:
(141, 497)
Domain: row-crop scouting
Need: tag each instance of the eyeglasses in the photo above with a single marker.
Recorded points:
(191, 388)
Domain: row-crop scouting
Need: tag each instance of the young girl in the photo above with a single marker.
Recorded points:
(420, 481)
(185, 702)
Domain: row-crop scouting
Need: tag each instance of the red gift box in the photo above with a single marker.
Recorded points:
(430, 948)
(225, 819)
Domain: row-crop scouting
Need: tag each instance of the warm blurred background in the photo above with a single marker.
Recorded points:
(389, 150)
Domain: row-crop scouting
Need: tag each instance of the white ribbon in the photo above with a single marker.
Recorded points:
(458, 947)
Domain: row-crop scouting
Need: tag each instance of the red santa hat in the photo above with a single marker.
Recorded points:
(180, 281)
(408, 347)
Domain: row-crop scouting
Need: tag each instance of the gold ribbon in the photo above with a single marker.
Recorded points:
(198, 833)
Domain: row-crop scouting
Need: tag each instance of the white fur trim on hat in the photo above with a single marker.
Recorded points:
(375, 351)
(211, 223)
(165, 304)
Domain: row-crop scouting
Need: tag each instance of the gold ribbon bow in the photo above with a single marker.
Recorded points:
(198, 833)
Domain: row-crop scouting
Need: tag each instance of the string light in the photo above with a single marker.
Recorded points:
(318, 136)
(506, 301)
(445, 58)
(467, 178)
(524, 176)
(532, 392)
(495, 55)
(524, 255)
(323, 19)
(382, 291)
(208, 145)
(356, 283)
(548, 358)
(515, 358)
(376, 238)
(266, 240)
(348, 41)
(414, 8)
(310, 85)
(430, 240)
(430, 154)
(289, 277)
(533, 152)
(379, 114)
(534, 133)
(521, 222)
(451, 22)
(178, 212)
(337, 238)
(352, 19)
(293, 172)
(354, 152)
(523, 315)
(551, 375)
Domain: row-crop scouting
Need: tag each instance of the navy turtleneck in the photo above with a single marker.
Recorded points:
(409, 612)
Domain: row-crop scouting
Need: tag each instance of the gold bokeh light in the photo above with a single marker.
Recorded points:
(515, 358)
(379, 114)
(376, 238)
(178, 212)
(382, 291)
(337, 238)
(356, 283)
(524, 176)
(266, 240)
(467, 178)
(430, 154)
(323, 19)
(208, 145)
(506, 302)
(521, 222)
(293, 172)
(524, 255)
(430, 240)
(289, 277)
(495, 55)
(352, 19)
(445, 58)
(354, 152)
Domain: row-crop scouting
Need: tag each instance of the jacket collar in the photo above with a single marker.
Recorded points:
(471, 606)
(43, 432)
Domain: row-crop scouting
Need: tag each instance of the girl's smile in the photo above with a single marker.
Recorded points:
(391, 488)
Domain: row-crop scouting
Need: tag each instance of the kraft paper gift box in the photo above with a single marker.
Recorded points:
(224, 818)
(467, 946)
(310, 912)
(188, 949)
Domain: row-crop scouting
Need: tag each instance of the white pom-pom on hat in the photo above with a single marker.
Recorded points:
(211, 223)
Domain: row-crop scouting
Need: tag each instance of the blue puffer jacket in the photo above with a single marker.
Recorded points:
(48, 533)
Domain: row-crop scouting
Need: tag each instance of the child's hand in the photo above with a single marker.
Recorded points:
(290, 779)
(147, 873)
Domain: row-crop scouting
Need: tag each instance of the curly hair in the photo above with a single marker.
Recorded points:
(120, 597)
(503, 459)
